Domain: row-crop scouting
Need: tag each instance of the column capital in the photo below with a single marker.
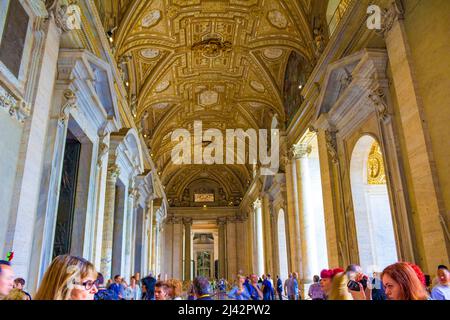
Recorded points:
(300, 150)
(257, 204)
(113, 171)
(187, 221)
(222, 221)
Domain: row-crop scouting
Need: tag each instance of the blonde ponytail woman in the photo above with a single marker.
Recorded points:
(68, 278)
(339, 290)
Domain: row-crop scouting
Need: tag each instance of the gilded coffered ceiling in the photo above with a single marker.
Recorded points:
(219, 61)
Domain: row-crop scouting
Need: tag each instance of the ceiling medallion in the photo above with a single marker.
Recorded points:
(208, 98)
(257, 86)
(277, 19)
(163, 85)
(212, 47)
(273, 53)
(151, 18)
(150, 53)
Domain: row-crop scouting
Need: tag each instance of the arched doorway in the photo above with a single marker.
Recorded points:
(374, 226)
(282, 249)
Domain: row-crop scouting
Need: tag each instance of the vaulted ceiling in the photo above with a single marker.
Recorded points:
(219, 61)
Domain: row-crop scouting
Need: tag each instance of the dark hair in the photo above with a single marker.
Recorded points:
(20, 280)
(100, 278)
(353, 268)
(116, 276)
(201, 286)
(162, 284)
(316, 278)
(4, 263)
(442, 267)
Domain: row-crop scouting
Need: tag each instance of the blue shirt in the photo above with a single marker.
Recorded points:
(118, 291)
(440, 292)
(233, 294)
(252, 291)
(268, 292)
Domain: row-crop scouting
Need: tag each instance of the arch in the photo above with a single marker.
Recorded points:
(374, 223)
(282, 245)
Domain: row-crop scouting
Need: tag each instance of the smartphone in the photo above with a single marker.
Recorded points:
(353, 285)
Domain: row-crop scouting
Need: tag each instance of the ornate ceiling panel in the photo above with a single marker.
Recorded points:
(219, 61)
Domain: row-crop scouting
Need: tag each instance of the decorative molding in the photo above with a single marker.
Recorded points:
(70, 104)
(378, 99)
(390, 15)
(17, 109)
(222, 221)
(212, 47)
(330, 136)
(60, 13)
(113, 171)
(257, 204)
(301, 150)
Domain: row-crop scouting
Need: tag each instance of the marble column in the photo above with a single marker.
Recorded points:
(307, 229)
(430, 214)
(187, 248)
(222, 222)
(177, 248)
(130, 245)
(268, 240)
(259, 238)
(294, 252)
(149, 219)
(108, 222)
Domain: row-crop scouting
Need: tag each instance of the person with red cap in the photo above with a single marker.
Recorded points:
(326, 278)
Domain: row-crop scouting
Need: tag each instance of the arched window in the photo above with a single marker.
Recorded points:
(374, 226)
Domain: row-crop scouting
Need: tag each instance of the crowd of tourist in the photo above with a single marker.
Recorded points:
(73, 278)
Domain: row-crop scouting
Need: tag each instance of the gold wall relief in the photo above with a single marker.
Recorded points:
(375, 166)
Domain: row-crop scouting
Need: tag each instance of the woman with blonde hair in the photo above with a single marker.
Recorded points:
(339, 289)
(16, 294)
(68, 278)
(175, 288)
